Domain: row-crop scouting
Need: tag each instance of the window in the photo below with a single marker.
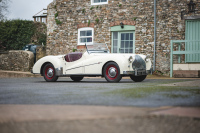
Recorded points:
(44, 20)
(38, 19)
(123, 40)
(99, 2)
(85, 35)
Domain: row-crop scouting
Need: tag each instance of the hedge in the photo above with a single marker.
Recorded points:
(15, 34)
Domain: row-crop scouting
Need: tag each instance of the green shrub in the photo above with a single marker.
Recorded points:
(15, 34)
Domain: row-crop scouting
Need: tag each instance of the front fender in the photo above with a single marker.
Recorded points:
(55, 60)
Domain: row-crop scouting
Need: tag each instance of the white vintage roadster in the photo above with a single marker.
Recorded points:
(96, 61)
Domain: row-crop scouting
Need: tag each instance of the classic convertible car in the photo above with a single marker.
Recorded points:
(96, 61)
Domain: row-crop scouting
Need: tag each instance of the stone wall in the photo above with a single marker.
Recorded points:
(17, 60)
(73, 14)
(40, 52)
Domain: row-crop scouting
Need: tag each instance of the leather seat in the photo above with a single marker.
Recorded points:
(73, 56)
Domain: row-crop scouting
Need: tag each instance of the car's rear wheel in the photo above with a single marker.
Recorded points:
(138, 78)
(111, 72)
(76, 78)
(49, 73)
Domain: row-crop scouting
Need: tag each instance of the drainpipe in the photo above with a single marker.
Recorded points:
(154, 57)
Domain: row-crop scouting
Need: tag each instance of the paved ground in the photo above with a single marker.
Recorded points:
(95, 119)
(158, 104)
(97, 91)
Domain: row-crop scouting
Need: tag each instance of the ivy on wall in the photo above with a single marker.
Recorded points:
(15, 34)
(58, 22)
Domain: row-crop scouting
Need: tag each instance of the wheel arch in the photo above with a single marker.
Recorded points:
(42, 67)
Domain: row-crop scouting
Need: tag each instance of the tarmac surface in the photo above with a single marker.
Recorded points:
(29, 118)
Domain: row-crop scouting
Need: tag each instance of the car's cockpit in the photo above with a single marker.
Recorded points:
(71, 57)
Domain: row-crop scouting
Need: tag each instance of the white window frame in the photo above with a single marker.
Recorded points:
(100, 3)
(84, 29)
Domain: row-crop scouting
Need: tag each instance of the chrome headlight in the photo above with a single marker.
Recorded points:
(130, 59)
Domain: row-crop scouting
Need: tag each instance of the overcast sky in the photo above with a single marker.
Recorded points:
(26, 9)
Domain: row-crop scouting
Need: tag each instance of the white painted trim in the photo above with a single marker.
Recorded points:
(101, 3)
(84, 29)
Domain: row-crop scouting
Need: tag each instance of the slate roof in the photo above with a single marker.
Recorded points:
(42, 13)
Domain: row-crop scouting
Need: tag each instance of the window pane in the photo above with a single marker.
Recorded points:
(122, 44)
(114, 49)
(82, 33)
(127, 44)
(96, 1)
(130, 50)
(83, 40)
(126, 50)
(115, 43)
(131, 44)
(89, 39)
(127, 36)
(131, 36)
(115, 35)
(122, 37)
(121, 50)
(89, 33)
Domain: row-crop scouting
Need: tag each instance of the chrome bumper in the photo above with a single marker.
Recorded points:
(137, 72)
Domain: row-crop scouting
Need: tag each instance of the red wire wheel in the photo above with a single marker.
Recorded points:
(49, 73)
(112, 72)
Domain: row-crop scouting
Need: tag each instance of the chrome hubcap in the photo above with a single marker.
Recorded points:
(50, 72)
(112, 72)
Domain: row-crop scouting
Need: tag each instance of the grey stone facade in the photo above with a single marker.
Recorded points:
(65, 17)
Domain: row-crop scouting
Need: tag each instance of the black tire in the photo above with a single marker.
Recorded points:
(76, 78)
(138, 78)
(49, 73)
(111, 72)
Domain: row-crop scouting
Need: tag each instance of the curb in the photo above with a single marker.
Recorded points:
(17, 74)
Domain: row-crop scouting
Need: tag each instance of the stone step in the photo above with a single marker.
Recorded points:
(186, 73)
(17, 74)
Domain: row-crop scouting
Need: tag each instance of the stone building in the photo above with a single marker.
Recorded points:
(127, 26)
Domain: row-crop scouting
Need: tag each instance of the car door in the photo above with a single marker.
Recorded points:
(74, 67)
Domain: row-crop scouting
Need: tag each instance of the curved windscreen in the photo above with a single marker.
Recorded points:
(97, 48)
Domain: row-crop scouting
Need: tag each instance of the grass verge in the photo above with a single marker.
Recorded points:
(171, 92)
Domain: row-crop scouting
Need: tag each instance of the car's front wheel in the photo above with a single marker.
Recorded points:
(76, 78)
(111, 72)
(49, 73)
(138, 78)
